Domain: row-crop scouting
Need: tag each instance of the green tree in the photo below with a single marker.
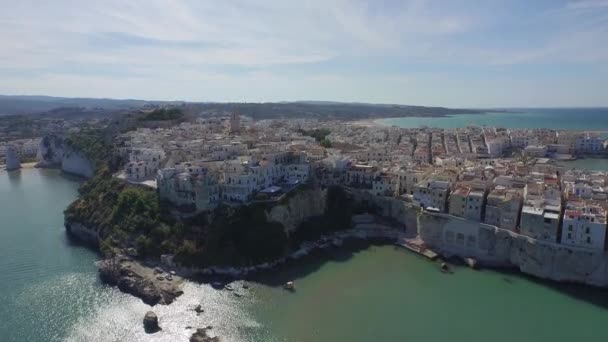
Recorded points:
(325, 143)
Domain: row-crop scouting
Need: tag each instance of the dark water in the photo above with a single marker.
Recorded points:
(50, 292)
(561, 118)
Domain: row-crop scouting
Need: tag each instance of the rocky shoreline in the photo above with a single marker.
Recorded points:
(153, 284)
(324, 242)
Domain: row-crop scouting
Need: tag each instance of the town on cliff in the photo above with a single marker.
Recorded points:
(230, 196)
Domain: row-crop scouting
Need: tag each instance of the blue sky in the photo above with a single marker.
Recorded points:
(454, 53)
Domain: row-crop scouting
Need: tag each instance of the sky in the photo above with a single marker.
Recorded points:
(455, 53)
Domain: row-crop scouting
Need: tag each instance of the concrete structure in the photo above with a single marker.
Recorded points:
(503, 207)
(432, 194)
(143, 163)
(584, 225)
(589, 144)
(235, 123)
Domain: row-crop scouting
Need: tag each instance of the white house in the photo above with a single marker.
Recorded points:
(584, 225)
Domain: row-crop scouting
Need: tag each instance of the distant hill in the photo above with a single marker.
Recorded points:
(327, 110)
(87, 107)
(12, 105)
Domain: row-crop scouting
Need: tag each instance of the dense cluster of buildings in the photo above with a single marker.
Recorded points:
(466, 172)
(198, 165)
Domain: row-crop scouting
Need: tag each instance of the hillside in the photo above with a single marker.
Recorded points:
(73, 108)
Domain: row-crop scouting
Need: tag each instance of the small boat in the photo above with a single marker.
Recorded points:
(444, 267)
(289, 286)
(217, 285)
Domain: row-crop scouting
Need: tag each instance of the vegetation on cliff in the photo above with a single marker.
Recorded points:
(96, 145)
(127, 216)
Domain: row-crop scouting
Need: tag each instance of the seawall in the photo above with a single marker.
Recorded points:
(495, 247)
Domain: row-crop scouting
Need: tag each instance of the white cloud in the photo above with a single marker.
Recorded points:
(587, 4)
(278, 50)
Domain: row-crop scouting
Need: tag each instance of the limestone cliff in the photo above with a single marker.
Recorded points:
(298, 208)
(12, 158)
(50, 151)
(53, 152)
(83, 233)
(75, 162)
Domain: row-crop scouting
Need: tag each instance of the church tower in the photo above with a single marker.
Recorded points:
(235, 123)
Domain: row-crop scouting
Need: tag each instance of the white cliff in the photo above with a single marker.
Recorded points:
(12, 158)
(53, 152)
(75, 162)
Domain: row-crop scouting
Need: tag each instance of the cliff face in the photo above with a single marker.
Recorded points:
(304, 205)
(75, 162)
(53, 152)
(83, 233)
(50, 151)
(12, 159)
(497, 247)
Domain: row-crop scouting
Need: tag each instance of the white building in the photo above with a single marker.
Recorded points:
(197, 191)
(143, 163)
(537, 151)
(589, 144)
(432, 194)
(584, 225)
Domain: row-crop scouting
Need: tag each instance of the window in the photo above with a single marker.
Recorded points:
(587, 230)
(569, 228)
(588, 240)
(569, 236)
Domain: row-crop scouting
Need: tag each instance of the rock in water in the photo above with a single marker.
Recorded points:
(12, 158)
(201, 335)
(151, 322)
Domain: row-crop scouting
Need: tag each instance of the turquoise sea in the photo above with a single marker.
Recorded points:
(50, 292)
(561, 118)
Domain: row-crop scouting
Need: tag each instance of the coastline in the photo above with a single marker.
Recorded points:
(161, 282)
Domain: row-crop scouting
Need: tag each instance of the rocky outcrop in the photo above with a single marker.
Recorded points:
(298, 208)
(202, 335)
(12, 159)
(151, 322)
(76, 163)
(492, 246)
(53, 152)
(83, 233)
(50, 151)
(133, 278)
